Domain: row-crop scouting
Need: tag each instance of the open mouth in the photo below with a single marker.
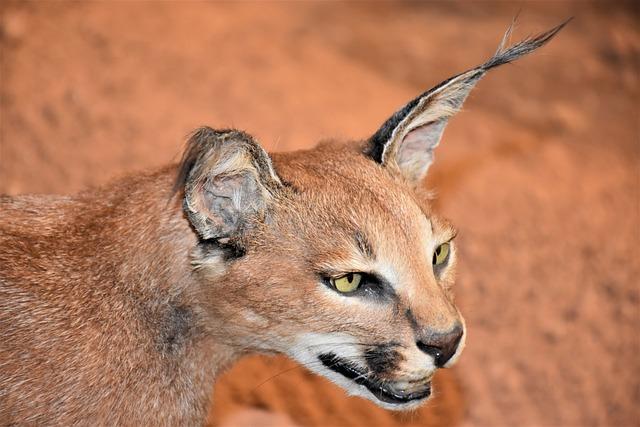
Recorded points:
(381, 390)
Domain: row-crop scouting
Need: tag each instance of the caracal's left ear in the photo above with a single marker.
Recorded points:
(406, 140)
(228, 183)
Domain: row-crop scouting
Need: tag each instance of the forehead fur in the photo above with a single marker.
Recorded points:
(339, 192)
(328, 165)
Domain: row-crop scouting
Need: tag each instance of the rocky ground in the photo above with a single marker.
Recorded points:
(541, 171)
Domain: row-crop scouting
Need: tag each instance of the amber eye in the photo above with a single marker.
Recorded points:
(347, 283)
(440, 254)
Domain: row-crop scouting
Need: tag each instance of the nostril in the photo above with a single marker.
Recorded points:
(441, 347)
(431, 350)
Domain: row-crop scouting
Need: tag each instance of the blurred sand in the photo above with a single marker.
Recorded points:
(540, 172)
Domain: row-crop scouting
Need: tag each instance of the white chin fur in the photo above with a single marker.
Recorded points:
(307, 348)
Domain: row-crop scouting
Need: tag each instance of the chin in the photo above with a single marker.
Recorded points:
(393, 395)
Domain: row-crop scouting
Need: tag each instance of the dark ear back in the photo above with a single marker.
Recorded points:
(408, 138)
(228, 179)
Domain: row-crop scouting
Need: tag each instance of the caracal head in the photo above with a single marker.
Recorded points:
(333, 255)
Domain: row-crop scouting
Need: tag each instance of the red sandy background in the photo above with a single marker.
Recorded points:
(540, 172)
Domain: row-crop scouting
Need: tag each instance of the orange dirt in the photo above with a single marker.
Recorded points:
(540, 173)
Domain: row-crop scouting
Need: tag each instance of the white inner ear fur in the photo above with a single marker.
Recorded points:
(415, 153)
(229, 184)
(231, 163)
(413, 140)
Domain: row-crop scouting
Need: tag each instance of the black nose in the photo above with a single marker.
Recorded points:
(441, 346)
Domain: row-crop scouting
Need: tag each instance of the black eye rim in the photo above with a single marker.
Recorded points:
(371, 285)
(364, 279)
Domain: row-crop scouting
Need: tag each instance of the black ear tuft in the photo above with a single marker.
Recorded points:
(505, 54)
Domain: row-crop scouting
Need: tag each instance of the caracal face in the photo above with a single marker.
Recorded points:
(347, 215)
(333, 255)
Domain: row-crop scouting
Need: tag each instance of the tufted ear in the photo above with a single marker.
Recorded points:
(228, 181)
(408, 138)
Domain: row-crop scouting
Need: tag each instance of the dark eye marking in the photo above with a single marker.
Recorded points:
(383, 358)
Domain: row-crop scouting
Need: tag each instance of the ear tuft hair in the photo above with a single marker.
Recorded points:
(505, 54)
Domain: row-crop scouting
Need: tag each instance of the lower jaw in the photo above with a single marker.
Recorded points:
(403, 399)
(383, 394)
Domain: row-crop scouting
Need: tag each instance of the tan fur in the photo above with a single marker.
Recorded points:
(90, 287)
(121, 305)
(90, 310)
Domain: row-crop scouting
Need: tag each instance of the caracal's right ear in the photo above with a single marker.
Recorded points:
(228, 181)
(407, 139)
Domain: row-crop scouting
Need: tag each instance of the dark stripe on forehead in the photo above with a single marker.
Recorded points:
(364, 245)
